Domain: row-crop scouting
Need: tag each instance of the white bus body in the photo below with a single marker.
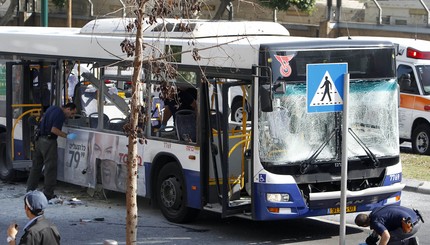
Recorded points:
(280, 163)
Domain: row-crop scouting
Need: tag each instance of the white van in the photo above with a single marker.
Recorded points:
(413, 74)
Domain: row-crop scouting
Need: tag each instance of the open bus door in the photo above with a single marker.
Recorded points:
(28, 92)
(230, 168)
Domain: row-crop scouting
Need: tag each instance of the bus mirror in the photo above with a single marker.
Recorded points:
(265, 100)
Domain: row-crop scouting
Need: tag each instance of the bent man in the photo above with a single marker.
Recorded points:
(393, 224)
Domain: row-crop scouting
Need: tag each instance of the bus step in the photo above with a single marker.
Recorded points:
(21, 164)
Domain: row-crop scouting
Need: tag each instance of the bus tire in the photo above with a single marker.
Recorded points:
(172, 196)
(421, 139)
(6, 171)
(237, 111)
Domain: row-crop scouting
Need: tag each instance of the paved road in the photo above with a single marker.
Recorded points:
(93, 220)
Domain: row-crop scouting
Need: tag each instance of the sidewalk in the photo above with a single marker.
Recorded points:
(418, 186)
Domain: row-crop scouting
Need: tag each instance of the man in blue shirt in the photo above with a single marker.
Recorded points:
(45, 153)
(387, 221)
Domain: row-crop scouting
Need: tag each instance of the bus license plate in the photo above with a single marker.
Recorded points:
(349, 209)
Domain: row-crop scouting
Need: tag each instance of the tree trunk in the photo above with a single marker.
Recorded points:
(9, 13)
(131, 193)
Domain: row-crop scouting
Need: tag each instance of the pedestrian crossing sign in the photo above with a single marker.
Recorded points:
(324, 87)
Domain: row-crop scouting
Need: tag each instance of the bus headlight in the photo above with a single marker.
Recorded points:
(277, 197)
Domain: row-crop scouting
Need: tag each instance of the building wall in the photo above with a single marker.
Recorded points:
(251, 10)
(355, 18)
(396, 12)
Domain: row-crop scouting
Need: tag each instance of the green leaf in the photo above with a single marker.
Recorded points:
(284, 5)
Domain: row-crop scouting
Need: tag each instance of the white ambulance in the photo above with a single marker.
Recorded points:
(413, 74)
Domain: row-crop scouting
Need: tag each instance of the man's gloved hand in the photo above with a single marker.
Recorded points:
(372, 240)
(71, 136)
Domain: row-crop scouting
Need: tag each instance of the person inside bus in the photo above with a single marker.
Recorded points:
(175, 99)
(38, 230)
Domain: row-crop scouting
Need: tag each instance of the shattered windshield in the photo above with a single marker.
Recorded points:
(289, 134)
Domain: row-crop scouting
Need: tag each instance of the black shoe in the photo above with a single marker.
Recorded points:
(49, 197)
(413, 241)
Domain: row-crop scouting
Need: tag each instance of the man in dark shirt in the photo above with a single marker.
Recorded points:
(38, 230)
(387, 223)
(45, 153)
(175, 101)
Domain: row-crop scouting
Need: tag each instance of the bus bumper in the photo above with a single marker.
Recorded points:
(319, 203)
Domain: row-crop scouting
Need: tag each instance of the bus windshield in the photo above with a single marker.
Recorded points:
(289, 134)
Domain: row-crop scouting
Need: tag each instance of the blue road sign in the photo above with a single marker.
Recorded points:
(324, 87)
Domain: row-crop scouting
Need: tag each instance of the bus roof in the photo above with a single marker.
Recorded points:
(406, 42)
(187, 29)
(411, 50)
(219, 44)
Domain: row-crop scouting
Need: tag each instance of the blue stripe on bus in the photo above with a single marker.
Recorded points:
(19, 147)
(297, 208)
(296, 204)
(147, 166)
(192, 178)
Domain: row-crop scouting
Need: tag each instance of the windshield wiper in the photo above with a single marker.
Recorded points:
(304, 166)
(365, 148)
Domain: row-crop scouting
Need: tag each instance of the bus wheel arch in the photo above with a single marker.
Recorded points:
(171, 194)
(6, 171)
(421, 139)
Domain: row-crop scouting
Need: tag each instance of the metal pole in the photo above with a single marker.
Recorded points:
(428, 13)
(69, 13)
(44, 14)
(379, 20)
(275, 14)
(230, 11)
(338, 10)
(329, 10)
(344, 170)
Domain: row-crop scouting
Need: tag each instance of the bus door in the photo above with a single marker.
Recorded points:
(28, 92)
(230, 138)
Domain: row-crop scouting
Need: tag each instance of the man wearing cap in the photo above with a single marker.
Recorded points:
(38, 230)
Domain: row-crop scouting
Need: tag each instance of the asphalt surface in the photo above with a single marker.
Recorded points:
(85, 219)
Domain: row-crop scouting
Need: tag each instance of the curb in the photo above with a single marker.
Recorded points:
(417, 186)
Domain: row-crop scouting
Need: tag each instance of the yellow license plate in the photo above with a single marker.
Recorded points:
(349, 209)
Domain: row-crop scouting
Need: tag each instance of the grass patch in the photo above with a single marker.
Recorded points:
(415, 166)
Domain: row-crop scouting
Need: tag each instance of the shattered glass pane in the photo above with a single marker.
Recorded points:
(289, 134)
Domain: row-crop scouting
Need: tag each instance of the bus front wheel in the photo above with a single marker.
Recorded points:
(172, 196)
(6, 171)
(421, 139)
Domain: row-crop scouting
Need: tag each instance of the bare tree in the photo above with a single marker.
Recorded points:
(131, 192)
(159, 9)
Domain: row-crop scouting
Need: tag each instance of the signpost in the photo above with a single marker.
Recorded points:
(327, 88)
